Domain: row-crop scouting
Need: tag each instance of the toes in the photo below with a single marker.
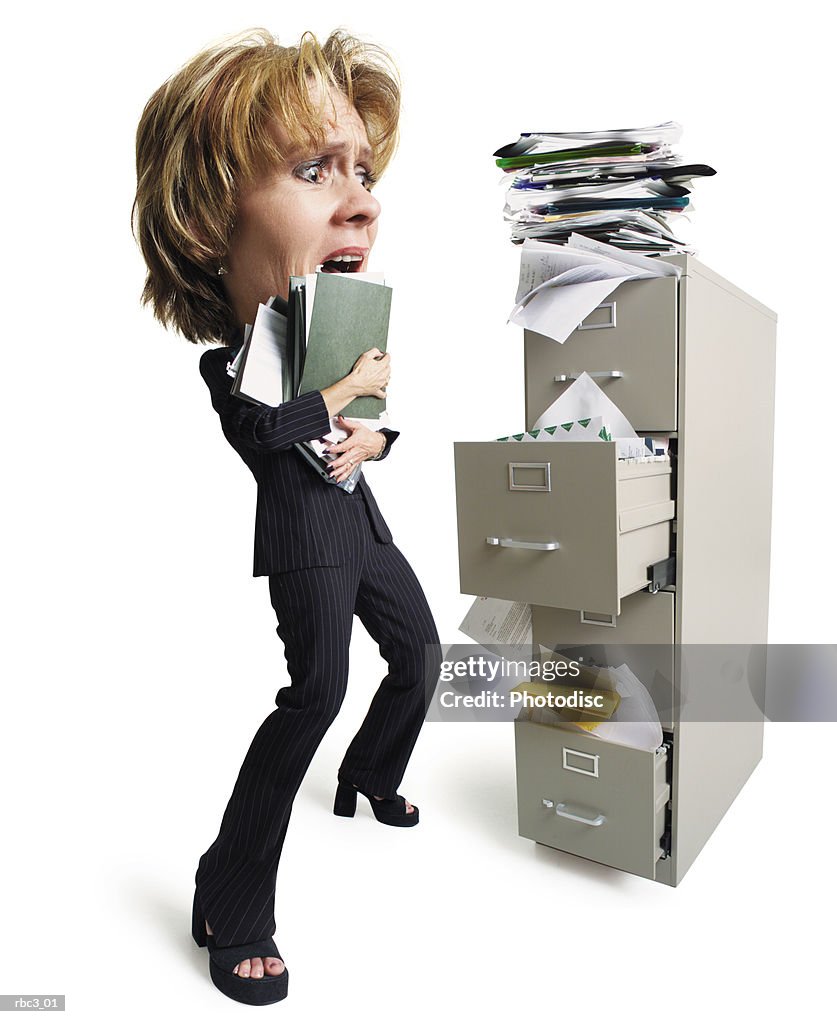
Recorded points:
(256, 969)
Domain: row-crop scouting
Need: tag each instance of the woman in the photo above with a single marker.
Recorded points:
(255, 162)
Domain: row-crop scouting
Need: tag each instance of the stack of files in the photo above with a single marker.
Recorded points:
(628, 449)
(332, 319)
(623, 186)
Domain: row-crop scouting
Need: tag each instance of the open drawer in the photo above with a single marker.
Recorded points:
(641, 637)
(592, 798)
(559, 523)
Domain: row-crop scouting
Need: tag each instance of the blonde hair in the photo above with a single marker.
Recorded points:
(203, 134)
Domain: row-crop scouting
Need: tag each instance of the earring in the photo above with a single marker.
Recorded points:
(221, 269)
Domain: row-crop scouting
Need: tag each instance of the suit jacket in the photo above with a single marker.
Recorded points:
(298, 514)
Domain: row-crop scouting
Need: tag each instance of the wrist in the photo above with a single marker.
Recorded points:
(338, 395)
(380, 452)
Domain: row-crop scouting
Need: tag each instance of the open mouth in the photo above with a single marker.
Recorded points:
(348, 264)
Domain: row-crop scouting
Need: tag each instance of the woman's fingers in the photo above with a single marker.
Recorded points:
(361, 445)
(372, 371)
(341, 473)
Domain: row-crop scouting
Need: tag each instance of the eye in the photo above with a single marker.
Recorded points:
(368, 179)
(304, 171)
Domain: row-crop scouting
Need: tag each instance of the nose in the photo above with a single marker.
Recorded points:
(358, 205)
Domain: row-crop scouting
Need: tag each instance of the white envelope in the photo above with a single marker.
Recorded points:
(582, 400)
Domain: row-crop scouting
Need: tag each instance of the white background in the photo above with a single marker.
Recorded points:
(141, 654)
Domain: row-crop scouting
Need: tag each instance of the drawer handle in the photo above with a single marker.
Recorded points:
(607, 374)
(608, 323)
(529, 545)
(598, 619)
(543, 467)
(562, 812)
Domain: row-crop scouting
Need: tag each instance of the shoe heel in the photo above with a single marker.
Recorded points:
(345, 800)
(198, 922)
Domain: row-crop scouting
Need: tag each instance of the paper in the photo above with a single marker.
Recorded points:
(592, 429)
(262, 377)
(556, 313)
(635, 722)
(543, 264)
(600, 183)
(657, 267)
(492, 621)
(583, 400)
(560, 285)
(667, 131)
(628, 449)
(235, 365)
(337, 434)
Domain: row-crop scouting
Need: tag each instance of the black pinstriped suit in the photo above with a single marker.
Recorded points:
(329, 555)
(294, 506)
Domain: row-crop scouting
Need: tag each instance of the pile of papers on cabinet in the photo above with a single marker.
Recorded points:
(626, 187)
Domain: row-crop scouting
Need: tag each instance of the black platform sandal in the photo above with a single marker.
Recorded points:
(389, 812)
(222, 959)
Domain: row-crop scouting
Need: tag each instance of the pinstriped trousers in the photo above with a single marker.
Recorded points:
(236, 876)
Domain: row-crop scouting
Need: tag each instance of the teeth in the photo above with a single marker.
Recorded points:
(345, 259)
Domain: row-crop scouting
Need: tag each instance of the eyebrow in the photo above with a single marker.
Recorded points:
(365, 152)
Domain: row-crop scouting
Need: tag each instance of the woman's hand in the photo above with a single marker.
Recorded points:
(370, 374)
(362, 443)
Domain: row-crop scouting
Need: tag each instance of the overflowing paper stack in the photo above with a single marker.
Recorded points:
(626, 187)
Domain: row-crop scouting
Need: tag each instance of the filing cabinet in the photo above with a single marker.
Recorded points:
(572, 530)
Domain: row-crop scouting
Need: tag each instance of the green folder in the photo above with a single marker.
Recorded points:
(348, 318)
(599, 150)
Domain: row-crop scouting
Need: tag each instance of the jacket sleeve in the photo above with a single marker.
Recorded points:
(263, 427)
(390, 436)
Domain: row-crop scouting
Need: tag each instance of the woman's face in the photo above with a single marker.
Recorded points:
(314, 206)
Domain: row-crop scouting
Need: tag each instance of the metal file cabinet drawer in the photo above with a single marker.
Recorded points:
(559, 523)
(634, 335)
(642, 637)
(597, 800)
